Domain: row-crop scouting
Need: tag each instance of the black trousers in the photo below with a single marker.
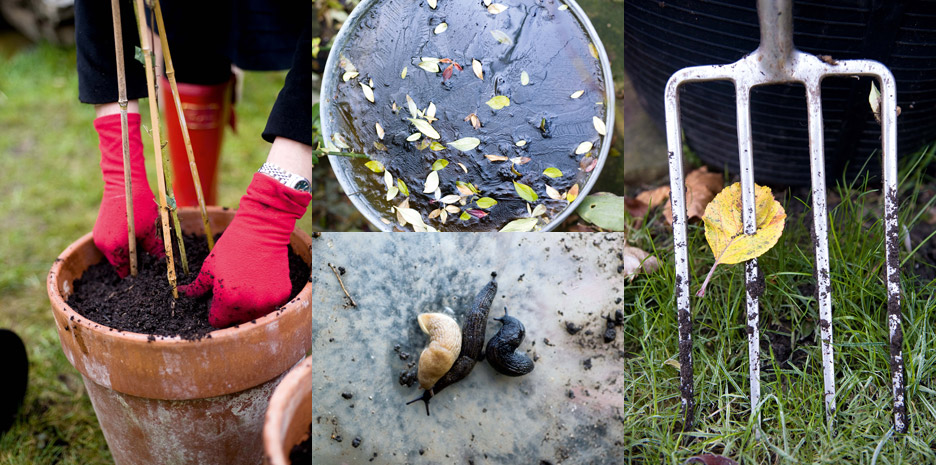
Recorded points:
(205, 38)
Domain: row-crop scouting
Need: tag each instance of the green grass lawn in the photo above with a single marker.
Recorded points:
(50, 188)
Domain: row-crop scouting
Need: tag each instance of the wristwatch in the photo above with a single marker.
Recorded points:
(288, 179)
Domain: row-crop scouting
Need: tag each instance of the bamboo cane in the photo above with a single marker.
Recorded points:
(124, 133)
(167, 170)
(170, 75)
(157, 143)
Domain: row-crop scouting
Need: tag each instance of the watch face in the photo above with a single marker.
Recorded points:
(303, 185)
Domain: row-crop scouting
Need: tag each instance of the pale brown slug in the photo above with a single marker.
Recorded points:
(472, 343)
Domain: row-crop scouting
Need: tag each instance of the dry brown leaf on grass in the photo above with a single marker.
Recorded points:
(634, 260)
(701, 187)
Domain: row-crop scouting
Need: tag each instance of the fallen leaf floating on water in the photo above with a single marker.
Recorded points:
(525, 192)
(593, 50)
(498, 102)
(572, 194)
(501, 37)
(424, 127)
(496, 8)
(724, 228)
(436, 146)
(486, 202)
(388, 179)
(540, 210)
(553, 193)
(465, 144)
(440, 28)
(473, 120)
(380, 131)
(403, 73)
(414, 137)
(495, 158)
(432, 182)
(411, 106)
(599, 126)
(439, 164)
(563, 7)
(524, 78)
(520, 225)
(521, 143)
(710, 459)
(375, 166)
(553, 172)
(433, 3)
(430, 66)
(577, 94)
(583, 148)
(476, 67)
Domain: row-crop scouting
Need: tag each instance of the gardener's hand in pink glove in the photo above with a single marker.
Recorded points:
(110, 228)
(248, 269)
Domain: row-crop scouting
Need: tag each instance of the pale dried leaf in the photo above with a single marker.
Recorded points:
(524, 78)
(380, 131)
(553, 193)
(583, 148)
(577, 94)
(496, 157)
(599, 126)
(520, 225)
(450, 199)
(496, 8)
(432, 182)
(440, 28)
(634, 260)
(424, 127)
(476, 67)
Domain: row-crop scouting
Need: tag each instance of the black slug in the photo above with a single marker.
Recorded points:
(472, 345)
(501, 349)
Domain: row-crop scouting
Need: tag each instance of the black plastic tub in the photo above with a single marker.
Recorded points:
(665, 36)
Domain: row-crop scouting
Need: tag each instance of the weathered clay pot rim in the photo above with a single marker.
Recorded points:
(171, 368)
(217, 334)
(280, 414)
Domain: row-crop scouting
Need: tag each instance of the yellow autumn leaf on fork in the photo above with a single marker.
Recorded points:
(724, 227)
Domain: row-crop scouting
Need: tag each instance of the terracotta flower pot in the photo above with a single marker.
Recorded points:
(292, 408)
(169, 400)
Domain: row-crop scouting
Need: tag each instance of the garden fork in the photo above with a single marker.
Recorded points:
(777, 61)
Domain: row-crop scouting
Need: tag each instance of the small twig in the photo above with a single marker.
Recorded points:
(337, 275)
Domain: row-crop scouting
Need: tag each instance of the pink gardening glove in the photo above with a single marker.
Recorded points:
(110, 228)
(248, 269)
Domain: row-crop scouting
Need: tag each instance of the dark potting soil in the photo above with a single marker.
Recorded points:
(144, 304)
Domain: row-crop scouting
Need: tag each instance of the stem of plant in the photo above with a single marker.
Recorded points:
(124, 133)
(701, 292)
(146, 46)
(170, 76)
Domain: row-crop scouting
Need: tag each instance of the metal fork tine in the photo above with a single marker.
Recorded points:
(821, 242)
(680, 251)
(749, 218)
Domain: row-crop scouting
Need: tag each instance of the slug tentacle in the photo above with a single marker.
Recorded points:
(472, 342)
(443, 349)
(501, 349)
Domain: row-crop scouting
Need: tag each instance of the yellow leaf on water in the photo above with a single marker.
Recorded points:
(724, 227)
(498, 102)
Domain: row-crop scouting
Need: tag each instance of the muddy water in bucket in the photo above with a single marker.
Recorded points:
(486, 113)
(564, 411)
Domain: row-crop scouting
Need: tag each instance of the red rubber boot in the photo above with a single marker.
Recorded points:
(207, 110)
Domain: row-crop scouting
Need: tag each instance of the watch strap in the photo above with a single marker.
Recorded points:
(286, 178)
